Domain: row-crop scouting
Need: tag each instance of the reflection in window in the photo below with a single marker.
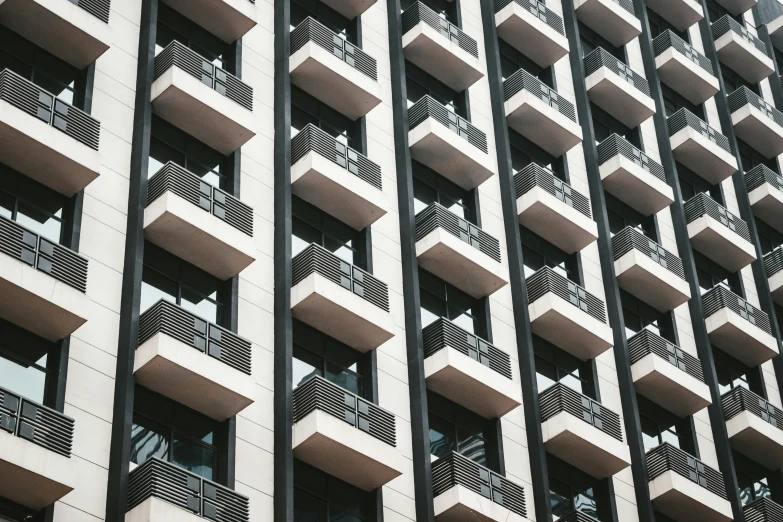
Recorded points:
(430, 187)
(455, 429)
(659, 425)
(537, 253)
(319, 497)
(32, 205)
(554, 365)
(573, 490)
(312, 225)
(318, 354)
(174, 26)
(420, 84)
(440, 299)
(306, 109)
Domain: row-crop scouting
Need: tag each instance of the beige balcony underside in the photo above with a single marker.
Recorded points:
(702, 156)
(683, 500)
(736, 7)
(560, 224)
(641, 276)
(229, 20)
(680, 13)
(743, 57)
(767, 204)
(609, 20)
(720, 243)
(668, 386)
(636, 187)
(543, 125)
(350, 8)
(459, 504)
(757, 439)
(530, 35)
(739, 338)
(685, 76)
(156, 510)
(619, 98)
(758, 130)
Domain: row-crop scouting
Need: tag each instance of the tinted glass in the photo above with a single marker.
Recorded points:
(32, 205)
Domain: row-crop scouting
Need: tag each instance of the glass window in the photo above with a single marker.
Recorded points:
(572, 490)
(174, 26)
(674, 101)
(554, 365)
(440, 299)
(591, 40)
(732, 374)
(711, 274)
(318, 354)
(659, 425)
(512, 60)
(23, 362)
(639, 316)
(750, 158)
(622, 215)
(716, 11)
(659, 25)
(420, 83)
(306, 110)
(455, 429)
(319, 497)
(605, 125)
(430, 187)
(537, 253)
(734, 81)
(692, 184)
(32, 205)
(752, 479)
(769, 238)
(524, 152)
(312, 225)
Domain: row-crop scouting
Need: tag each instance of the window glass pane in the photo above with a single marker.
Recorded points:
(346, 501)
(23, 379)
(155, 287)
(472, 446)
(343, 377)
(39, 222)
(560, 497)
(670, 436)
(193, 457)
(148, 440)
(308, 508)
(200, 305)
(196, 426)
(442, 441)
(306, 364)
(585, 502)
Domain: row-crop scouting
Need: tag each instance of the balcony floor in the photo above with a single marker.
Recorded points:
(459, 504)
(685, 501)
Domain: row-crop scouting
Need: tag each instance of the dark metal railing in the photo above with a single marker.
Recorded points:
(311, 138)
(177, 55)
(427, 107)
(225, 346)
(761, 174)
(443, 333)
(685, 118)
(744, 96)
(317, 259)
(741, 399)
(702, 204)
(669, 458)
(721, 297)
(457, 470)
(616, 145)
(646, 342)
(28, 97)
(546, 280)
(438, 216)
(726, 23)
(600, 57)
(560, 398)
(319, 394)
(576, 516)
(173, 178)
(188, 491)
(310, 30)
(36, 423)
(763, 510)
(668, 39)
(61, 263)
(100, 9)
(630, 238)
(539, 10)
(524, 81)
(419, 12)
(534, 175)
(773, 261)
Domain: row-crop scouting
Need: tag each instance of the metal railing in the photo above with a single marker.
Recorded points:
(443, 333)
(773, 261)
(317, 259)
(630, 238)
(524, 81)
(100, 9)
(172, 320)
(28, 97)
(438, 216)
(61, 263)
(535, 175)
(668, 39)
(560, 398)
(310, 30)
(458, 470)
(427, 107)
(576, 516)
(539, 10)
(177, 55)
(419, 12)
(726, 23)
(188, 491)
(744, 96)
(600, 57)
(670, 458)
(546, 280)
(311, 138)
(761, 174)
(702, 204)
(685, 118)
(741, 399)
(721, 297)
(319, 394)
(173, 178)
(646, 342)
(36, 423)
(616, 145)
(763, 510)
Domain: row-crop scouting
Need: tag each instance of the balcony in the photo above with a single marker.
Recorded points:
(567, 315)
(737, 7)
(440, 48)
(647, 270)
(193, 362)
(532, 29)
(76, 31)
(756, 122)
(335, 178)
(45, 138)
(763, 510)
(553, 210)
(448, 144)
(684, 488)
(333, 70)
(667, 375)
(737, 327)
(615, 88)
(540, 114)
(458, 252)
(773, 266)
(199, 223)
(468, 370)
(350, 8)
(754, 426)
(344, 435)
(229, 20)
(775, 30)
(614, 20)
(680, 13)
(740, 50)
(465, 490)
(582, 432)
(683, 68)
(632, 176)
(765, 191)
(202, 99)
(333, 296)
(159, 491)
(718, 234)
(43, 284)
(35, 452)
(700, 147)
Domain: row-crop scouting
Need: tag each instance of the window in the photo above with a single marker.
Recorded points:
(307, 110)
(711, 274)
(447, 9)
(605, 125)
(537, 253)
(420, 83)
(440, 299)
(12, 512)
(312, 225)
(752, 479)
(716, 11)
(573, 490)
(734, 81)
(660, 426)
(320, 497)
(639, 316)
(342, 26)
(769, 237)
(173, 26)
(622, 215)
(659, 25)
(32, 205)
(750, 158)
(455, 429)
(554, 365)
(692, 184)
(591, 40)
(430, 187)
(524, 152)
(512, 60)
(674, 101)
(24, 362)
(732, 374)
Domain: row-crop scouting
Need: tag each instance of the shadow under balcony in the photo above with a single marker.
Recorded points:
(773, 267)
(742, 51)
(765, 191)
(612, 19)
(700, 147)
(229, 20)
(680, 13)
(683, 68)
(532, 29)
(756, 122)
(754, 427)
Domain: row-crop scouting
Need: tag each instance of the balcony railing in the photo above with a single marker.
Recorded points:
(419, 12)
(174, 321)
(437, 216)
(726, 23)
(601, 58)
(744, 96)
(761, 174)
(427, 107)
(763, 510)
(631, 239)
(547, 280)
(100, 9)
(311, 138)
(560, 398)
(576, 516)
(685, 118)
(524, 81)
(740, 399)
(669, 458)
(457, 470)
(617, 145)
(539, 10)
(177, 55)
(317, 259)
(173, 178)
(773, 261)
(534, 175)
(721, 297)
(61, 263)
(188, 491)
(319, 394)
(28, 97)
(702, 204)
(36, 423)
(668, 39)
(443, 333)
(310, 30)
(646, 342)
